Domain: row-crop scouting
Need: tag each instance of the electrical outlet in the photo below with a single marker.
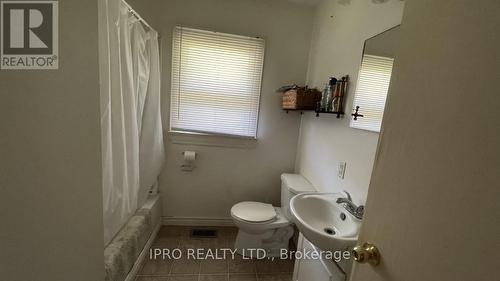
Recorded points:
(341, 170)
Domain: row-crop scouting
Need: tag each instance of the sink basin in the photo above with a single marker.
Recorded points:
(324, 222)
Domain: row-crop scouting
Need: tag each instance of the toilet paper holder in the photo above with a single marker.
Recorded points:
(189, 158)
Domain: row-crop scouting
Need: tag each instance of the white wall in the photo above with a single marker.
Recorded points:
(227, 175)
(340, 29)
(433, 208)
(50, 170)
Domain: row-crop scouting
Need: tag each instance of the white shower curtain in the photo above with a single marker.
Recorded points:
(132, 139)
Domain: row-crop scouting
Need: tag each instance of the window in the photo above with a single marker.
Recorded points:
(216, 82)
(371, 92)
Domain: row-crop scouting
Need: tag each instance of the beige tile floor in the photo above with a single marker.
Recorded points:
(229, 269)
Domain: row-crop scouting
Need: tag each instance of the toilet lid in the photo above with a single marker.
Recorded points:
(254, 211)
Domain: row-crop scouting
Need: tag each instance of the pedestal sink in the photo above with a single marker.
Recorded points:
(324, 222)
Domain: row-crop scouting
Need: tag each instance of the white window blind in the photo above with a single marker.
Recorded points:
(371, 92)
(216, 82)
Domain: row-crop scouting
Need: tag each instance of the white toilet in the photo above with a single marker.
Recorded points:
(263, 226)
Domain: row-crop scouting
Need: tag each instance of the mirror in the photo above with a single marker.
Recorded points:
(373, 80)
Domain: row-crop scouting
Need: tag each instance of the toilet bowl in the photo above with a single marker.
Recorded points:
(266, 227)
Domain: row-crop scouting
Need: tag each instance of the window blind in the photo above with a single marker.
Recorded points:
(371, 92)
(216, 82)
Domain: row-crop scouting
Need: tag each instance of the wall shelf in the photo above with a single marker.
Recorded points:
(339, 114)
(318, 112)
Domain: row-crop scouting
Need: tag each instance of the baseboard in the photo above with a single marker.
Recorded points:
(145, 251)
(194, 221)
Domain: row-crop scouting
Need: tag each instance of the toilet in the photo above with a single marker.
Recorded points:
(264, 226)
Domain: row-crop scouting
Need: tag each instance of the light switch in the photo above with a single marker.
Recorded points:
(341, 170)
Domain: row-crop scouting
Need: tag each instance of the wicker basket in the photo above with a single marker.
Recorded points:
(301, 99)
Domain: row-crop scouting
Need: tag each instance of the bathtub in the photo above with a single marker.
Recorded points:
(124, 254)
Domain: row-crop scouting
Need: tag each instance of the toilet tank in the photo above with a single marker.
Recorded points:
(291, 185)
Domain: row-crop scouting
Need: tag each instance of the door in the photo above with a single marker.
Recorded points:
(433, 206)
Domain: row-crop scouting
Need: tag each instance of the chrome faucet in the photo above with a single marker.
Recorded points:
(356, 211)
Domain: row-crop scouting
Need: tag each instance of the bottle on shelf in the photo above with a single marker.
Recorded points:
(331, 88)
(324, 97)
(335, 95)
(338, 100)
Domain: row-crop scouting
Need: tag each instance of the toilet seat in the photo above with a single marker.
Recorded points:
(254, 212)
(279, 221)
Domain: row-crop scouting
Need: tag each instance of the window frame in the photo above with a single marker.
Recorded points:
(211, 138)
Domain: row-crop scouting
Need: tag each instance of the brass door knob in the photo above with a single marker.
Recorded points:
(366, 253)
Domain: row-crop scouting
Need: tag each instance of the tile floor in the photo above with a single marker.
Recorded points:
(229, 269)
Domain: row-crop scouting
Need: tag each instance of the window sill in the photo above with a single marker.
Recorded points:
(190, 138)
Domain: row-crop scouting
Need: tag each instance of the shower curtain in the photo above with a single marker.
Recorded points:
(131, 128)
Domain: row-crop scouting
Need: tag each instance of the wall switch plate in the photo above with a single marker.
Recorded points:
(341, 170)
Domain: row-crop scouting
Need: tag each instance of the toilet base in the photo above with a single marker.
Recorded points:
(271, 241)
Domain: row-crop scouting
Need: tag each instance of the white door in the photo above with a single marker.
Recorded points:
(433, 208)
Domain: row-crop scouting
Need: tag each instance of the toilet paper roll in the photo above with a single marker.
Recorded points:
(189, 156)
